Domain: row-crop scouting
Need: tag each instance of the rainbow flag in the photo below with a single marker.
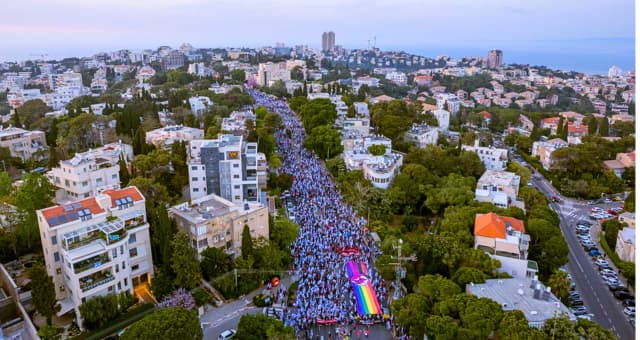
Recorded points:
(366, 299)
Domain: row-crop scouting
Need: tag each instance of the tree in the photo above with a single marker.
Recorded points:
(247, 243)
(297, 73)
(283, 232)
(377, 149)
(410, 313)
(465, 275)
(515, 326)
(436, 288)
(183, 262)
(6, 184)
(611, 229)
(279, 89)
(560, 284)
(35, 193)
(441, 327)
(603, 127)
(43, 292)
(325, 141)
(123, 172)
(166, 323)
(98, 311)
(630, 202)
(215, 262)
(260, 326)
(560, 328)
(238, 75)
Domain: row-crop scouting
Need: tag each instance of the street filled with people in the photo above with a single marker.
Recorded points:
(331, 235)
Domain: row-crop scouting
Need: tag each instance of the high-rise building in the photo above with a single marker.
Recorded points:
(494, 59)
(328, 41)
(227, 167)
(96, 246)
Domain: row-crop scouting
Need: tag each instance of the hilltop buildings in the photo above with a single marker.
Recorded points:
(24, 144)
(493, 158)
(166, 136)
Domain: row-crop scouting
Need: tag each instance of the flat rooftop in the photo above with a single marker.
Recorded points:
(210, 206)
(516, 294)
(497, 177)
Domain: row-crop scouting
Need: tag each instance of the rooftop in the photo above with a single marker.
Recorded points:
(124, 196)
(208, 207)
(628, 235)
(496, 226)
(517, 294)
(499, 178)
(61, 214)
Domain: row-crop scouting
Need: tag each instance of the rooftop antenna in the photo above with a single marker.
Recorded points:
(368, 44)
(374, 41)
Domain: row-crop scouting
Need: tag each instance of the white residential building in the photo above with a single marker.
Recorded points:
(212, 221)
(23, 143)
(198, 69)
(237, 121)
(499, 188)
(544, 150)
(96, 246)
(422, 135)
(166, 136)
(626, 244)
(493, 158)
(398, 78)
(89, 173)
(145, 73)
(200, 104)
(379, 170)
(537, 303)
(443, 117)
(227, 167)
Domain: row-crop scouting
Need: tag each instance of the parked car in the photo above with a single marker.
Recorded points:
(630, 311)
(602, 263)
(581, 310)
(577, 303)
(595, 252)
(585, 223)
(622, 295)
(607, 271)
(607, 200)
(629, 303)
(228, 334)
(619, 288)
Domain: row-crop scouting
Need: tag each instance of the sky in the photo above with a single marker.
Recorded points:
(63, 27)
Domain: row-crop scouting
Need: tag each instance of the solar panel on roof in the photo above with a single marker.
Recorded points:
(73, 216)
(80, 213)
(67, 208)
(62, 219)
(129, 199)
(118, 202)
(53, 221)
(77, 205)
(87, 211)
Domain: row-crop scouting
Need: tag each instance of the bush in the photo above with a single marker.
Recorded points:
(201, 296)
(262, 300)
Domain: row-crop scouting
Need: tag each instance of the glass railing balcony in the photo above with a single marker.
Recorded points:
(95, 280)
(134, 222)
(93, 262)
(77, 243)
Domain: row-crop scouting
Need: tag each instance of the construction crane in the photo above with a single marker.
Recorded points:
(400, 271)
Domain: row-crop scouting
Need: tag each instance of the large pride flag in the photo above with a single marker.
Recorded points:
(366, 299)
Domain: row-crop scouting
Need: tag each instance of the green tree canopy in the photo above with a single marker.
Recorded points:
(215, 262)
(43, 292)
(260, 326)
(183, 262)
(325, 141)
(166, 323)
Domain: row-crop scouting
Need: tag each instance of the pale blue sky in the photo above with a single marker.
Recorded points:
(87, 26)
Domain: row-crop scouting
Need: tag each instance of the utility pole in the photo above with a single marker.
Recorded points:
(400, 272)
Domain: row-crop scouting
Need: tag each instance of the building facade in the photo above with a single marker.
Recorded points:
(227, 167)
(493, 158)
(166, 136)
(89, 173)
(499, 188)
(544, 150)
(494, 59)
(328, 41)
(212, 221)
(24, 144)
(626, 244)
(422, 135)
(96, 246)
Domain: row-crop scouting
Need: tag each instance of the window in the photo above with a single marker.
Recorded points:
(85, 183)
(125, 282)
(114, 253)
(121, 250)
(123, 265)
(236, 176)
(236, 165)
(117, 268)
(236, 187)
(58, 270)
(54, 240)
(202, 243)
(134, 268)
(132, 238)
(194, 179)
(56, 256)
(114, 176)
(194, 167)
(196, 190)
(119, 286)
(62, 290)
(133, 252)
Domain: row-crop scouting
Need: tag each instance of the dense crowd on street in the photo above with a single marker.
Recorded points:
(326, 224)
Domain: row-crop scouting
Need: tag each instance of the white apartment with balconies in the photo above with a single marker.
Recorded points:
(89, 173)
(499, 188)
(493, 158)
(212, 221)
(96, 246)
(379, 170)
(422, 135)
(227, 166)
(23, 143)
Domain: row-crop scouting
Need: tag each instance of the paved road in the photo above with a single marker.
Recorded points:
(596, 295)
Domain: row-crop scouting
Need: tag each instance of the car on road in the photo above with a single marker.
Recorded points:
(607, 200)
(596, 209)
(612, 280)
(585, 223)
(619, 288)
(576, 303)
(607, 271)
(581, 310)
(630, 311)
(594, 252)
(227, 334)
(585, 316)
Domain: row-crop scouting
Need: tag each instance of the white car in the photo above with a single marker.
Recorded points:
(228, 334)
(631, 311)
(602, 263)
(607, 271)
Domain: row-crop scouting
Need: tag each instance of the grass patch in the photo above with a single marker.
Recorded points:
(118, 323)
(627, 269)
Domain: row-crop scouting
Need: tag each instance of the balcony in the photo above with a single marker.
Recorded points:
(74, 243)
(90, 263)
(134, 222)
(95, 280)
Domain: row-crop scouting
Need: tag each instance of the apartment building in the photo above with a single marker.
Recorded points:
(398, 78)
(165, 137)
(499, 188)
(96, 246)
(226, 166)
(200, 104)
(89, 173)
(504, 239)
(236, 122)
(443, 117)
(23, 143)
(212, 221)
(422, 135)
(379, 170)
(626, 244)
(544, 149)
(493, 158)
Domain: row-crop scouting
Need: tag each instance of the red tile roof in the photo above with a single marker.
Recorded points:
(578, 129)
(61, 214)
(551, 120)
(486, 114)
(495, 226)
(132, 192)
